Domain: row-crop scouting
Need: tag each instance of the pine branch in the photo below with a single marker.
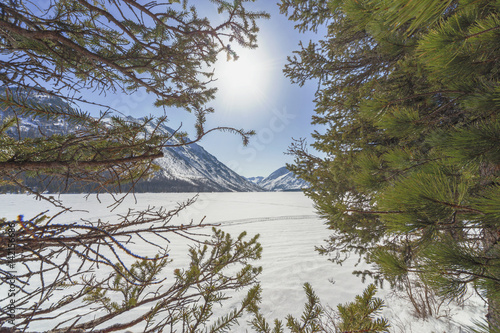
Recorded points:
(75, 164)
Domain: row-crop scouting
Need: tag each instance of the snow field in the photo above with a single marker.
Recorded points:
(288, 230)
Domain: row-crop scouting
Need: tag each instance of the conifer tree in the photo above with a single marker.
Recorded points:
(66, 49)
(408, 94)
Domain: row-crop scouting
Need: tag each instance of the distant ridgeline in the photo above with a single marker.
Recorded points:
(280, 180)
(187, 168)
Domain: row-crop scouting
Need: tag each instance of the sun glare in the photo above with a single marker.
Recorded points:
(245, 81)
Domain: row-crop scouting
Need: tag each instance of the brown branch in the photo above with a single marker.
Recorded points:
(54, 36)
(111, 18)
(374, 212)
(461, 209)
(482, 32)
(424, 94)
(41, 165)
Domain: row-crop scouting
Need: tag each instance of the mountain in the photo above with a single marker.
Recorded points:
(255, 180)
(192, 168)
(187, 168)
(282, 180)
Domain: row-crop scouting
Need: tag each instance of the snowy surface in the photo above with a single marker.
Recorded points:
(288, 230)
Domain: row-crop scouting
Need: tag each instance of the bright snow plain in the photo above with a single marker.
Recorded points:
(289, 230)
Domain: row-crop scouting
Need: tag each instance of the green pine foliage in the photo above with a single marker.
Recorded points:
(408, 99)
(188, 302)
(101, 151)
(309, 322)
(359, 316)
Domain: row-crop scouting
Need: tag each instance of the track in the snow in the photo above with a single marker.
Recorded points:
(265, 219)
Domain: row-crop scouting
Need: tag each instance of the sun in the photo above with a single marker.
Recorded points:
(245, 81)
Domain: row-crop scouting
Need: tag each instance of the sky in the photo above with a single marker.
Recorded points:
(253, 94)
(266, 102)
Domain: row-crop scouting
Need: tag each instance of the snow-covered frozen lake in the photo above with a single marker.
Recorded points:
(289, 230)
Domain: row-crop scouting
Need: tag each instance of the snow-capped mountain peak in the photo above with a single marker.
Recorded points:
(255, 180)
(280, 180)
(192, 164)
